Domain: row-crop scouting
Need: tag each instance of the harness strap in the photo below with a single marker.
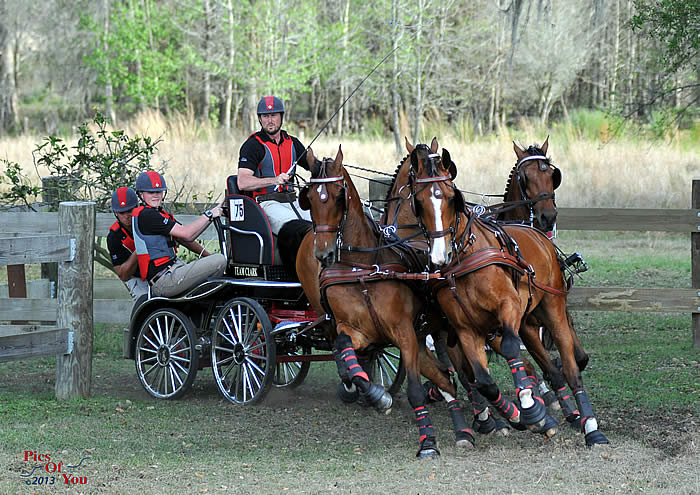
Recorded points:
(370, 306)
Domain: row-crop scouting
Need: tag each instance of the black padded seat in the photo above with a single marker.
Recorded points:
(249, 238)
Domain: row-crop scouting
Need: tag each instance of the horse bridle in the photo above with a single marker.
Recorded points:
(543, 196)
(323, 180)
(452, 229)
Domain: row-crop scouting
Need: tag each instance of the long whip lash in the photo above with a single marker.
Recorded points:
(343, 104)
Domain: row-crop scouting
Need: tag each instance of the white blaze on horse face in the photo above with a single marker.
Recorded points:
(438, 249)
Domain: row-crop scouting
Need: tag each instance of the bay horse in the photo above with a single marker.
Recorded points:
(453, 232)
(480, 298)
(529, 199)
(400, 225)
(364, 287)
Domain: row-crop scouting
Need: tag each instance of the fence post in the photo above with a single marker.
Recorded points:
(695, 260)
(74, 300)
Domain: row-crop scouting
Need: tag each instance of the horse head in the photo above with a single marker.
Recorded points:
(326, 197)
(437, 203)
(534, 180)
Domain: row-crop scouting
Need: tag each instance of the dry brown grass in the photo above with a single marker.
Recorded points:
(621, 173)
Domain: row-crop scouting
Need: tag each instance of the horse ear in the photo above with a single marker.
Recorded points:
(339, 157)
(449, 164)
(304, 202)
(556, 178)
(545, 145)
(518, 152)
(310, 159)
(409, 146)
(434, 145)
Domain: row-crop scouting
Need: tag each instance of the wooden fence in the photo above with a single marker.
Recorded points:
(673, 300)
(68, 241)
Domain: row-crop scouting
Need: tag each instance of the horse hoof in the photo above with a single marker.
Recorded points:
(595, 438)
(428, 454)
(347, 395)
(378, 397)
(502, 432)
(428, 449)
(464, 440)
(549, 429)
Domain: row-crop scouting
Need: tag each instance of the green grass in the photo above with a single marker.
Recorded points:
(643, 381)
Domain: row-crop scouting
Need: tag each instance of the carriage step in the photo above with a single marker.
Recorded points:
(284, 326)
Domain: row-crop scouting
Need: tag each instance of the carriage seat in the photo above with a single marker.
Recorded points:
(249, 238)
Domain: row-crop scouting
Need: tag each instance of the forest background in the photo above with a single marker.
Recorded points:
(614, 82)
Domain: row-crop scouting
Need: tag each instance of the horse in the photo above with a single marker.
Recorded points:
(479, 297)
(361, 285)
(529, 198)
(400, 226)
(438, 203)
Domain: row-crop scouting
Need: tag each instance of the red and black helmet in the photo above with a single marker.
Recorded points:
(124, 199)
(150, 181)
(270, 104)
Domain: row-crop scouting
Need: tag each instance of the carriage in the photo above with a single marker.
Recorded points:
(253, 326)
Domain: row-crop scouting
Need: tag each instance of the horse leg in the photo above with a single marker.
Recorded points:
(351, 372)
(440, 387)
(533, 411)
(484, 422)
(579, 354)
(529, 333)
(565, 343)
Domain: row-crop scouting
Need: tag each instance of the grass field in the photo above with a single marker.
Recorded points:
(643, 380)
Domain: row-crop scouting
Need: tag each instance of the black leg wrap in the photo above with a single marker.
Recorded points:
(484, 427)
(520, 378)
(428, 444)
(509, 411)
(347, 396)
(463, 433)
(593, 437)
(346, 359)
(432, 393)
(377, 396)
(571, 414)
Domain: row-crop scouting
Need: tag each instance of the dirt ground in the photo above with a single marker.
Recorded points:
(306, 441)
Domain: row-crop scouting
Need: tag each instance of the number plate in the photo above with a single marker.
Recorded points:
(236, 209)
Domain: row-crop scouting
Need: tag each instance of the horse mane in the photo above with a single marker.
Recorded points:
(393, 179)
(533, 149)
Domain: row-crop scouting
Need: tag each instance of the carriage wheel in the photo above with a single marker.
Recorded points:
(166, 360)
(292, 374)
(386, 369)
(242, 351)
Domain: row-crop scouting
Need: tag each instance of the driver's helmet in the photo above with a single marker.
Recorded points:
(150, 181)
(124, 199)
(270, 104)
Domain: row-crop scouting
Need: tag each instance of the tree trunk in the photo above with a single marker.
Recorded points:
(9, 118)
(109, 90)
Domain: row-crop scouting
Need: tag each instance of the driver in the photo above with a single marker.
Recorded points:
(267, 161)
(156, 233)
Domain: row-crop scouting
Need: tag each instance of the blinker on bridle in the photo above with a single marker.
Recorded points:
(323, 196)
